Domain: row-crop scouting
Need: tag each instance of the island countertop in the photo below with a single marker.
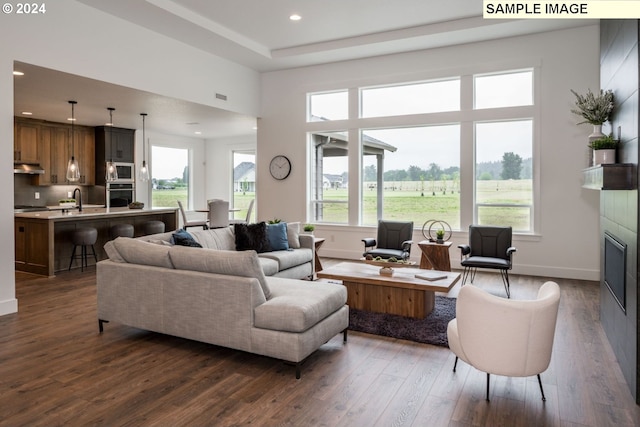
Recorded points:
(43, 242)
(72, 214)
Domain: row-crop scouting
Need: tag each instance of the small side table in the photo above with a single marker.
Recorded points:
(435, 256)
(318, 241)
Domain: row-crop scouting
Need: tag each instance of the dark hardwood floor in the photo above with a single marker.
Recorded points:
(56, 369)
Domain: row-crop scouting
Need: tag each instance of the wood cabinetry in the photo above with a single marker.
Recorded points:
(31, 255)
(43, 241)
(85, 152)
(115, 144)
(54, 146)
(25, 142)
(53, 149)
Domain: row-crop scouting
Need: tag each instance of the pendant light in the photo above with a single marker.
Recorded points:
(73, 171)
(112, 170)
(144, 171)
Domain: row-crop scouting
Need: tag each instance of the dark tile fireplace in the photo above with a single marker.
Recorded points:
(619, 71)
(615, 254)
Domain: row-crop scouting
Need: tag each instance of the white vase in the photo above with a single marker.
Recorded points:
(603, 157)
(597, 133)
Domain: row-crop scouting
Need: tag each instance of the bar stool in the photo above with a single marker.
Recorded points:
(153, 227)
(121, 230)
(83, 237)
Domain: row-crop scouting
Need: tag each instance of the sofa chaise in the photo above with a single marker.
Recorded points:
(220, 297)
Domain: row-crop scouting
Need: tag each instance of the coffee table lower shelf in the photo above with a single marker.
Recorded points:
(386, 299)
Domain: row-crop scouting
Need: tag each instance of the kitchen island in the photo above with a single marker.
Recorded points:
(43, 239)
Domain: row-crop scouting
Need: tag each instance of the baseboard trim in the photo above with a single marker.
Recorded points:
(8, 306)
(524, 269)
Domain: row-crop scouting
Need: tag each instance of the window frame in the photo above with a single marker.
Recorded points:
(466, 117)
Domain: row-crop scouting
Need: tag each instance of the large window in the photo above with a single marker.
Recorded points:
(418, 98)
(411, 174)
(459, 149)
(244, 182)
(504, 174)
(169, 176)
(330, 177)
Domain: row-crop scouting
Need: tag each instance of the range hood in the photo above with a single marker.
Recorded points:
(27, 168)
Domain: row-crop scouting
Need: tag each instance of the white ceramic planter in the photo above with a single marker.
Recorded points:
(603, 157)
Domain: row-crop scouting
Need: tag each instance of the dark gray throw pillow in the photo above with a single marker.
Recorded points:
(252, 237)
(183, 238)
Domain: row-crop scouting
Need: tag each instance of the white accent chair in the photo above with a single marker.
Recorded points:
(503, 336)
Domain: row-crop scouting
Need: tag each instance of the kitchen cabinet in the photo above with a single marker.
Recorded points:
(30, 254)
(85, 154)
(25, 142)
(55, 154)
(54, 148)
(115, 144)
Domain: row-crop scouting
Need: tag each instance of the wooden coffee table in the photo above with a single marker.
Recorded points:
(402, 293)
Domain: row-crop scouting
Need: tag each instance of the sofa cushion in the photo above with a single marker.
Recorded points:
(167, 236)
(277, 236)
(251, 237)
(269, 266)
(112, 252)
(288, 259)
(183, 238)
(216, 238)
(231, 263)
(293, 231)
(297, 305)
(136, 251)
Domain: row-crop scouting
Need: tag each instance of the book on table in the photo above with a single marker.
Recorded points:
(431, 275)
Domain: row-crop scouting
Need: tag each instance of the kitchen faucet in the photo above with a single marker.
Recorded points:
(79, 198)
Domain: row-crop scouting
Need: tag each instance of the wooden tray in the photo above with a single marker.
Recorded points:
(388, 264)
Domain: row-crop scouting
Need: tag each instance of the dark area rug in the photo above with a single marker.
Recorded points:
(430, 330)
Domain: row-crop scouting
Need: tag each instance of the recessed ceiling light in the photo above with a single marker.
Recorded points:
(27, 113)
(18, 73)
(295, 17)
(198, 132)
(71, 119)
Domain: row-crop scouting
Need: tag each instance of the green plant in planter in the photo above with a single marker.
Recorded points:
(309, 228)
(606, 142)
(440, 234)
(274, 221)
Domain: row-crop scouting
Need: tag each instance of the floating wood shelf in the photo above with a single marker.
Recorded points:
(616, 176)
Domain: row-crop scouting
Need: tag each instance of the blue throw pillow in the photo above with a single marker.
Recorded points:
(183, 238)
(277, 236)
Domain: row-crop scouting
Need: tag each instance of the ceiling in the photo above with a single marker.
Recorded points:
(260, 35)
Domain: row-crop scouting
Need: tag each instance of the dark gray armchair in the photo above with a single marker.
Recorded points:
(394, 240)
(489, 247)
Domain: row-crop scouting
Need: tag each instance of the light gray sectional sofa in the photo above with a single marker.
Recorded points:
(295, 263)
(220, 297)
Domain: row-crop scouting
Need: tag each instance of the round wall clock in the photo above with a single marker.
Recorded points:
(280, 167)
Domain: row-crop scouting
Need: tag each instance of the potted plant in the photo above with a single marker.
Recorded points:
(594, 109)
(440, 236)
(604, 150)
(309, 228)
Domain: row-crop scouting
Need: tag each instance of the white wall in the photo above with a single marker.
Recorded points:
(219, 170)
(567, 242)
(75, 38)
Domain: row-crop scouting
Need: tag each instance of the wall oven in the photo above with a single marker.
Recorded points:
(120, 194)
(126, 172)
